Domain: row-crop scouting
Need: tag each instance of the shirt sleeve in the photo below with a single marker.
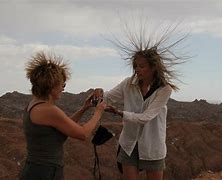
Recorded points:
(160, 100)
(116, 94)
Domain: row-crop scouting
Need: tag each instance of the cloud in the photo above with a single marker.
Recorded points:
(211, 26)
(84, 52)
(11, 50)
(89, 18)
(73, 28)
(14, 55)
(4, 40)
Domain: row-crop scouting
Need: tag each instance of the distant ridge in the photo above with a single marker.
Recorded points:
(12, 105)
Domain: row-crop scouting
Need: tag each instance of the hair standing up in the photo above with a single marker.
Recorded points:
(159, 53)
(45, 72)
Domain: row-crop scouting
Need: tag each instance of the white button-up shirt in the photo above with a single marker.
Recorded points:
(143, 121)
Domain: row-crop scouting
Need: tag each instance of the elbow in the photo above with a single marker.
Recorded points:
(80, 137)
(145, 118)
(83, 138)
(138, 121)
(84, 134)
(142, 121)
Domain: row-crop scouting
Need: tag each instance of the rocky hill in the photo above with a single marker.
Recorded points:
(198, 110)
(13, 104)
(194, 133)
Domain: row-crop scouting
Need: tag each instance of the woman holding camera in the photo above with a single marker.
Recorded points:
(46, 126)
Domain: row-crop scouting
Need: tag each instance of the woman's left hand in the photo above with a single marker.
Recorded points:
(88, 101)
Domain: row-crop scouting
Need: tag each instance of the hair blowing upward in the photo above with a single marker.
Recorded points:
(45, 72)
(158, 52)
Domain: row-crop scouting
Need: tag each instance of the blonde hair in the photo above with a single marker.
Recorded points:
(46, 72)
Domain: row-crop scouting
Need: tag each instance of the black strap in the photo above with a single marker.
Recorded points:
(96, 164)
(119, 165)
(29, 110)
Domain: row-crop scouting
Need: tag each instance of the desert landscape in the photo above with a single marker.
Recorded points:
(194, 133)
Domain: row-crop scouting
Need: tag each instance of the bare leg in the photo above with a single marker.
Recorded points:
(154, 175)
(130, 172)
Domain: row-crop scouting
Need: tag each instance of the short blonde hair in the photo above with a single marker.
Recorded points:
(46, 72)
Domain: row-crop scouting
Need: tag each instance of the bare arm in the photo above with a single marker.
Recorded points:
(87, 104)
(55, 117)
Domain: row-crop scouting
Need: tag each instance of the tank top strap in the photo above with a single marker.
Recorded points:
(29, 109)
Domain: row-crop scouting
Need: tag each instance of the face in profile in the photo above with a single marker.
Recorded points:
(57, 90)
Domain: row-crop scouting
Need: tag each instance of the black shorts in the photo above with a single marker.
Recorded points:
(33, 171)
(133, 159)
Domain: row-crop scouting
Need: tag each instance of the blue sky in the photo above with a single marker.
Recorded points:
(77, 30)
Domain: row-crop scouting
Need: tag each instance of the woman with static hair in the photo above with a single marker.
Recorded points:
(46, 126)
(144, 95)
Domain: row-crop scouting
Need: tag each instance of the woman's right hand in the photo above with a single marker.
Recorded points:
(111, 109)
(101, 106)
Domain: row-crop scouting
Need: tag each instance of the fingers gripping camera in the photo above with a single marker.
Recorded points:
(98, 96)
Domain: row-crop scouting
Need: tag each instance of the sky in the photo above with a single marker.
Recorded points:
(80, 31)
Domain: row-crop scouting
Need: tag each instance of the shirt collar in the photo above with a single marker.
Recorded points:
(135, 80)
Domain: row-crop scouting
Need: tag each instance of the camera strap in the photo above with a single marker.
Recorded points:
(96, 163)
(101, 136)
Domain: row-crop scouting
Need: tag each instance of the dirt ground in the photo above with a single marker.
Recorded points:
(185, 149)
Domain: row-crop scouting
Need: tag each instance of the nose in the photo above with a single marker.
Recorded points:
(137, 70)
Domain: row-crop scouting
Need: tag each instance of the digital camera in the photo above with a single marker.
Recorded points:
(95, 101)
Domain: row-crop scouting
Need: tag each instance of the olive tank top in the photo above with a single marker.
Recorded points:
(44, 143)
